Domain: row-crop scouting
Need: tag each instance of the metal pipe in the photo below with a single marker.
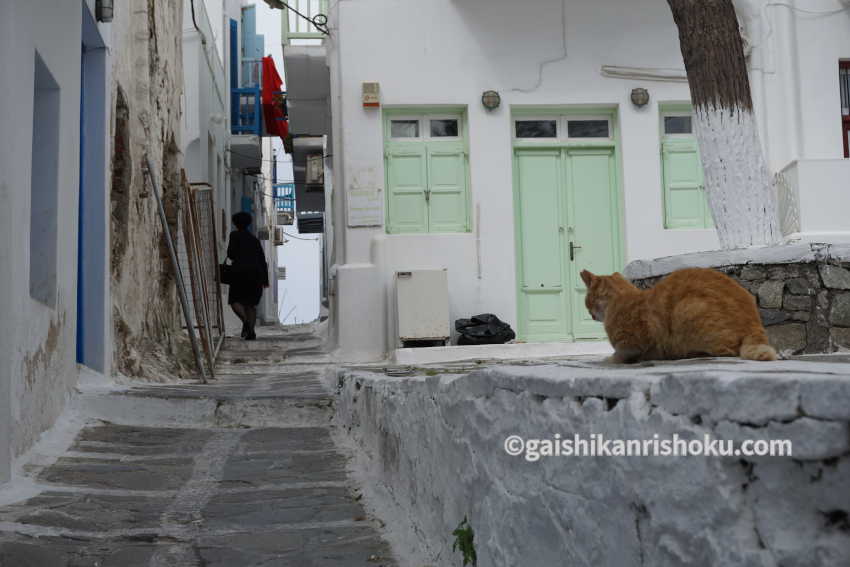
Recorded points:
(181, 286)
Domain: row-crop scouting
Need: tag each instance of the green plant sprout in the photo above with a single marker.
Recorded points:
(464, 537)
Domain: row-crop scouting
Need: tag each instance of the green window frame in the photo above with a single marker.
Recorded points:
(426, 165)
(685, 204)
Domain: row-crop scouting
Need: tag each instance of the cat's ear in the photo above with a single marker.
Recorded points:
(586, 277)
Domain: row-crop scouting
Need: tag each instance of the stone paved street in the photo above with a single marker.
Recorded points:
(217, 492)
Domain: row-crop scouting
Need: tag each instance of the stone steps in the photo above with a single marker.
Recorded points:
(240, 472)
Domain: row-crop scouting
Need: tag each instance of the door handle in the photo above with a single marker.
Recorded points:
(427, 195)
(573, 248)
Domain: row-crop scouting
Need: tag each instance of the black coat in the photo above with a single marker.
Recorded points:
(250, 269)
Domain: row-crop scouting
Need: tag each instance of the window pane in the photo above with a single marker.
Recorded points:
(536, 129)
(404, 129)
(444, 128)
(677, 125)
(587, 128)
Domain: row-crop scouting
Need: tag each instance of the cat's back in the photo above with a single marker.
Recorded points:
(697, 282)
(700, 297)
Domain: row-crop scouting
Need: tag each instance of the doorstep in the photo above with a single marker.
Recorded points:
(512, 351)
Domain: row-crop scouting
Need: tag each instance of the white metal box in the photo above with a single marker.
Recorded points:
(422, 305)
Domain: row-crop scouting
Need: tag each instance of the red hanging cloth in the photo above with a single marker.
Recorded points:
(273, 101)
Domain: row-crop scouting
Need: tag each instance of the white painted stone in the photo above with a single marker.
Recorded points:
(513, 351)
(811, 439)
(784, 254)
(439, 439)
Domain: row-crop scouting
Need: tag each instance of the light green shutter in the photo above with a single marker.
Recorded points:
(684, 196)
(447, 203)
(407, 181)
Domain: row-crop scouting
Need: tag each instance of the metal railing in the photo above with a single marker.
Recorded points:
(284, 202)
(295, 27)
(252, 73)
(284, 196)
(247, 111)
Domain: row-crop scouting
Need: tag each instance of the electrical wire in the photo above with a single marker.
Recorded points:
(796, 9)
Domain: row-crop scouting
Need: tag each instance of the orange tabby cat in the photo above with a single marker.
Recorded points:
(691, 312)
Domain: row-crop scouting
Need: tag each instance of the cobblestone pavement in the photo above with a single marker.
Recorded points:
(221, 492)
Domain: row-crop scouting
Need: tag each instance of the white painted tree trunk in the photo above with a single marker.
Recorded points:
(739, 188)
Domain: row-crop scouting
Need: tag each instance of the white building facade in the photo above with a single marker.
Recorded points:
(53, 212)
(223, 126)
(571, 171)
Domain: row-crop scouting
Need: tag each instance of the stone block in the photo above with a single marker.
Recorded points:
(835, 277)
(826, 397)
(799, 316)
(788, 337)
(772, 316)
(800, 286)
(811, 439)
(797, 303)
(752, 273)
(777, 273)
(770, 294)
(718, 396)
(839, 314)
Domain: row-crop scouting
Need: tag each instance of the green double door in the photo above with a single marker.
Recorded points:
(567, 209)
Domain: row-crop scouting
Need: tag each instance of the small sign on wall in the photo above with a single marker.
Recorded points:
(365, 206)
(371, 95)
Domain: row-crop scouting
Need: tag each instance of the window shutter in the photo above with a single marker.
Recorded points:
(684, 196)
(407, 182)
(447, 200)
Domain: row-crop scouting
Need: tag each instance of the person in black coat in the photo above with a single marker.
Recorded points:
(250, 274)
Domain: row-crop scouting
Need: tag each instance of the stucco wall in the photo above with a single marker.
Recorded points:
(444, 52)
(37, 342)
(431, 452)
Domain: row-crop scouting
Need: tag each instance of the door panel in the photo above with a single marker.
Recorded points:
(407, 178)
(447, 185)
(539, 186)
(593, 228)
(683, 194)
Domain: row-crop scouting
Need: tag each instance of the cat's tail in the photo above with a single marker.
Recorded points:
(755, 347)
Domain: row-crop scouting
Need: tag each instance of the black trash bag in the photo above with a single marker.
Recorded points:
(484, 329)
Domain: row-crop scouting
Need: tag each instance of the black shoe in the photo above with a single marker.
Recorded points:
(244, 330)
(251, 336)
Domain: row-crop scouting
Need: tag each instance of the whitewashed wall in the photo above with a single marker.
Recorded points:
(449, 52)
(444, 52)
(37, 343)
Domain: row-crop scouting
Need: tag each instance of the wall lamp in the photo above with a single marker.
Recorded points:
(491, 100)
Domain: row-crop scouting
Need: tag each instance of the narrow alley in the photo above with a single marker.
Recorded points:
(242, 471)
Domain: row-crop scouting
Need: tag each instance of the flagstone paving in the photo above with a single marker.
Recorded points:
(230, 496)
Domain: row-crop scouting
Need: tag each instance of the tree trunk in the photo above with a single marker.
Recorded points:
(738, 185)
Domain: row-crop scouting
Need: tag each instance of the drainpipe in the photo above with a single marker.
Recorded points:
(791, 79)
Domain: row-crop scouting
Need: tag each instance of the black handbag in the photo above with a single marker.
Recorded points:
(226, 273)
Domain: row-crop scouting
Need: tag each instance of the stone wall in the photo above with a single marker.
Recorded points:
(147, 82)
(431, 449)
(803, 292)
